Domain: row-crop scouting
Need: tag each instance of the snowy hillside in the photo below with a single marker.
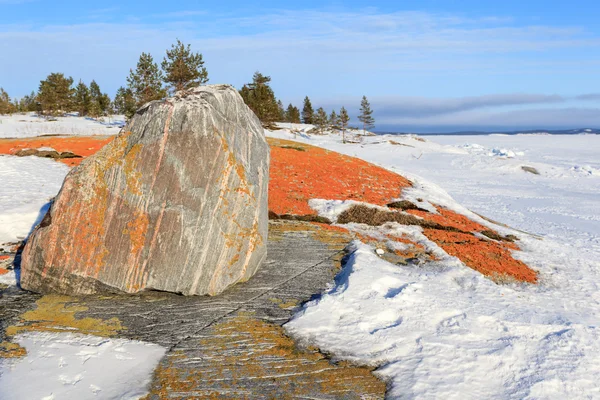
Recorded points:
(440, 330)
(29, 125)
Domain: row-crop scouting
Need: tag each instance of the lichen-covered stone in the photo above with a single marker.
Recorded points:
(177, 202)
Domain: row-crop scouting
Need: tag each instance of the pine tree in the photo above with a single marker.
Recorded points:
(334, 121)
(292, 114)
(56, 93)
(259, 96)
(183, 69)
(82, 99)
(281, 111)
(366, 114)
(146, 82)
(321, 120)
(124, 102)
(6, 106)
(28, 102)
(308, 114)
(344, 119)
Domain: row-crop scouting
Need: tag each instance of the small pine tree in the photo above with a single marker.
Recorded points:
(281, 111)
(56, 93)
(366, 115)
(28, 102)
(344, 119)
(292, 114)
(124, 102)
(182, 68)
(145, 82)
(259, 96)
(82, 99)
(321, 120)
(99, 102)
(308, 114)
(334, 121)
(6, 106)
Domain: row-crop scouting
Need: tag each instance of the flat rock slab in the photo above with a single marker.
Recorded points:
(227, 346)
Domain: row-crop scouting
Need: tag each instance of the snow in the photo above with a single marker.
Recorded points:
(74, 366)
(435, 330)
(8, 278)
(30, 125)
(442, 330)
(26, 186)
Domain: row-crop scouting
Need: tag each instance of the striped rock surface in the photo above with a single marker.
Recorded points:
(177, 202)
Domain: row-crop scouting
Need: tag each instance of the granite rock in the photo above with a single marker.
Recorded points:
(176, 202)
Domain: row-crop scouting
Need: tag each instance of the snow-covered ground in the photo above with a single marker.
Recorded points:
(441, 330)
(29, 125)
(74, 366)
(26, 186)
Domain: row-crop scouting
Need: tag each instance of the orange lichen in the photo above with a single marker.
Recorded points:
(450, 219)
(56, 313)
(3, 271)
(488, 257)
(11, 350)
(242, 352)
(83, 146)
(315, 173)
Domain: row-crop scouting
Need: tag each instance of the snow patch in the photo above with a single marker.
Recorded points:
(31, 125)
(74, 366)
(27, 185)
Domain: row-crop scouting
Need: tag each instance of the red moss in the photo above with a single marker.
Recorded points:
(450, 219)
(491, 258)
(297, 176)
(83, 146)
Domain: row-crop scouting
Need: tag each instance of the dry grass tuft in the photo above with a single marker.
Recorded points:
(400, 144)
(531, 170)
(374, 217)
(305, 218)
(297, 148)
(496, 236)
(405, 205)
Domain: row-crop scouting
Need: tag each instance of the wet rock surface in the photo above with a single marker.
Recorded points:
(227, 346)
(177, 202)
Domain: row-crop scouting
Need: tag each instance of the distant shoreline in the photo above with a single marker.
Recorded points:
(540, 132)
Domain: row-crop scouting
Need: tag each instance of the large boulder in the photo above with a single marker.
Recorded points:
(177, 202)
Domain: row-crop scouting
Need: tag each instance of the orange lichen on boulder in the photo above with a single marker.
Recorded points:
(82, 146)
(300, 172)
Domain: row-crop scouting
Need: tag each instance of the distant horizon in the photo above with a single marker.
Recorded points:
(393, 129)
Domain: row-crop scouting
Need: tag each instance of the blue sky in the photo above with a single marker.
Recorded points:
(424, 65)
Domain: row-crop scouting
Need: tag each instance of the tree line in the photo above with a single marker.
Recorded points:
(259, 96)
(180, 69)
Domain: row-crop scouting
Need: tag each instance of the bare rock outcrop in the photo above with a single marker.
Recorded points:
(177, 202)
